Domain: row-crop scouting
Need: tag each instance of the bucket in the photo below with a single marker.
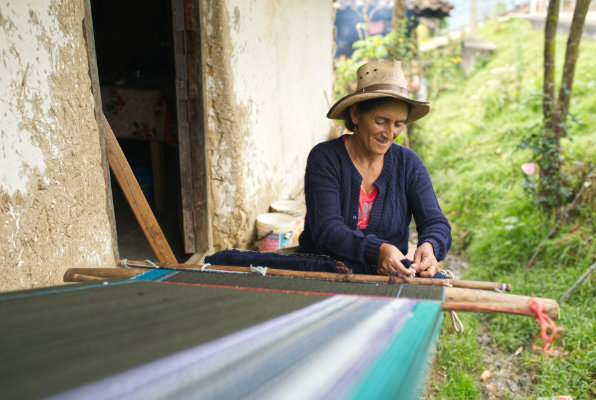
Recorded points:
(275, 231)
(296, 209)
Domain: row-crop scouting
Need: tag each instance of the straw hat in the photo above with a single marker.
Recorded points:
(380, 79)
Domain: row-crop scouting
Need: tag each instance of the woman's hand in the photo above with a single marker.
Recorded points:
(425, 262)
(389, 260)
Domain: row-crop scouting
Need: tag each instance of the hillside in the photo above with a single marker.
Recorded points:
(470, 143)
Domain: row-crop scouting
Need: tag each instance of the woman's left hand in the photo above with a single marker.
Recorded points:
(425, 262)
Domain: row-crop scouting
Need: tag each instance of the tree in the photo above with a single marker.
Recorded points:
(552, 182)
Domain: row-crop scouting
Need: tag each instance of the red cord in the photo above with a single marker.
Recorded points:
(342, 267)
(546, 324)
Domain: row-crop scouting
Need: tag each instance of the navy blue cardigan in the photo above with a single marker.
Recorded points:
(332, 190)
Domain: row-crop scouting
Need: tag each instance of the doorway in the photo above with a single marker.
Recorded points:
(137, 77)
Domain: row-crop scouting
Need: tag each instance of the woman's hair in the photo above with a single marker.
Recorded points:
(366, 106)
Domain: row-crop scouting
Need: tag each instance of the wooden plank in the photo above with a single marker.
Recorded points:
(184, 153)
(136, 198)
(196, 120)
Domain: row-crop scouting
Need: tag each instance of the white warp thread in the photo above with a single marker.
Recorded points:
(258, 270)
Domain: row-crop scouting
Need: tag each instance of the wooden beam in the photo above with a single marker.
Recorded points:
(494, 286)
(136, 198)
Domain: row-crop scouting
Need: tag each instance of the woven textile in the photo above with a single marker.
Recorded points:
(158, 337)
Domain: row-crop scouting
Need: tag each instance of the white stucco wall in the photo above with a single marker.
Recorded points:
(53, 202)
(277, 86)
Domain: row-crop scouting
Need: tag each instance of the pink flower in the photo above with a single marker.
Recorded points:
(529, 168)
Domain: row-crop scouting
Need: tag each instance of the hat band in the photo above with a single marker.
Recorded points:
(383, 86)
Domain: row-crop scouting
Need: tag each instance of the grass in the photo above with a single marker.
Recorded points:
(469, 143)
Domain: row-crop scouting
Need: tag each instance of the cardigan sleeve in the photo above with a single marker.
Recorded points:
(327, 225)
(431, 223)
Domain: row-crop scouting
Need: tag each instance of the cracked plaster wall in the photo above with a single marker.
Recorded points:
(53, 202)
(268, 81)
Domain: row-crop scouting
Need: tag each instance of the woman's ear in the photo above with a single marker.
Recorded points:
(354, 114)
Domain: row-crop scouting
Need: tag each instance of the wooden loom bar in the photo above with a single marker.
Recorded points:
(336, 276)
(87, 274)
(462, 299)
(136, 198)
(457, 299)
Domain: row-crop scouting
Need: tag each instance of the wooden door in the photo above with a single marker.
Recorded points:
(191, 126)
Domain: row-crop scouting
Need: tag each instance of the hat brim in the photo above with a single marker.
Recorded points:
(340, 109)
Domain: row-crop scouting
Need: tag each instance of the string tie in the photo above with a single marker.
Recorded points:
(342, 267)
(549, 331)
(399, 274)
(259, 270)
(458, 326)
(152, 264)
(124, 264)
(448, 272)
(203, 268)
(502, 290)
(394, 274)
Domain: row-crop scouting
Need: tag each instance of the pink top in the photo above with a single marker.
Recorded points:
(365, 204)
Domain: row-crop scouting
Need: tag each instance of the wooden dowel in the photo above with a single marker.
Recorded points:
(85, 274)
(136, 198)
(338, 276)
(482, 298)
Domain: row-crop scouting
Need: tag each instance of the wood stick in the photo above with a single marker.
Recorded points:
(334, 276)
(86, 274)
(576, 284)
(485, 300)
(136, 198)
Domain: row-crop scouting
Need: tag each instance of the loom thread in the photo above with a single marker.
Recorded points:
(342, 267)
(204, 266)
(502, 290)
(458, 326)
(259, 270)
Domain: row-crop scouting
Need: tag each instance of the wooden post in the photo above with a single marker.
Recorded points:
(136, 198)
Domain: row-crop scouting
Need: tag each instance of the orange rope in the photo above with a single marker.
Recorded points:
(342, 267)
(549, 331)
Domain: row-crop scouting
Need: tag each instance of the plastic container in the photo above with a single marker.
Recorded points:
(296, 209)
(275, 231)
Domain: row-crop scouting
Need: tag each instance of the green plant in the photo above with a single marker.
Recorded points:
(474, 158)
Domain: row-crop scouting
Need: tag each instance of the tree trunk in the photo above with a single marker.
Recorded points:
(550, 31)
(572, 53)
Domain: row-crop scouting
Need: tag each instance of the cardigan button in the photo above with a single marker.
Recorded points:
(354, 217)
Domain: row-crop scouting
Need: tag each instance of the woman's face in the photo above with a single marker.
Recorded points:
(378, 127)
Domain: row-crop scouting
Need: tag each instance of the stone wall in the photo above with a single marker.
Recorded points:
(54, 209)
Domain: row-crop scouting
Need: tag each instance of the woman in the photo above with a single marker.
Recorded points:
(362, 189)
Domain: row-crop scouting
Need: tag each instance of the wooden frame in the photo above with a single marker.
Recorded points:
(191, 124)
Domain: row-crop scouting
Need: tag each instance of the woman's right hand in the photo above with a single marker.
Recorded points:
(389, 260)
